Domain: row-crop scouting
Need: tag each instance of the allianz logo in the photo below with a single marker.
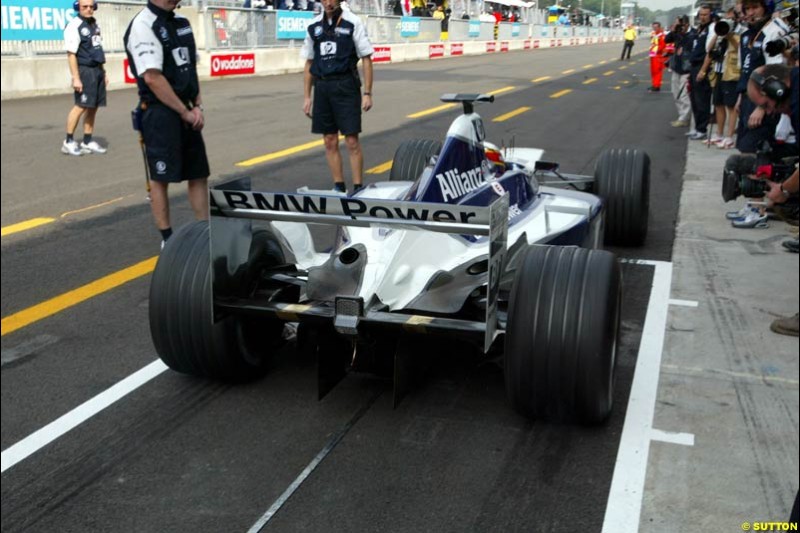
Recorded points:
(454, 184)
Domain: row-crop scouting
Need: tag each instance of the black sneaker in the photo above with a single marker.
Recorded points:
(357, 187)
(654, 89)
(338, 186)
(791, 245)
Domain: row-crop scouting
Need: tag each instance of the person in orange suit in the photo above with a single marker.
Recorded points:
(657, 47)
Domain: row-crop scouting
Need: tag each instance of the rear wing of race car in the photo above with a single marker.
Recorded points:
(234, 206)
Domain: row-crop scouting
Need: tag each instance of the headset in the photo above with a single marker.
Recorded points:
(76, 5)
(771, 87)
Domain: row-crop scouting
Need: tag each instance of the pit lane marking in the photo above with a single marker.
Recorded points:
(41, 221)
(25, 225)
(54, 430)
(684, 303)
(671, 437)
(380, 169)
(559, 94)
(282, 153)
(608, 73)
(588, 66)
(430, 111)
(503, 90)
(512, 114)
(543, 78)
(624, 506)
(64, 301)
(590, 80)
(568, 71)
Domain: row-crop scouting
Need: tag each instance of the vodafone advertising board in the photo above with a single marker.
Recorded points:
(233, 64)
(382, 54)
(128, 72)
(435, 50)
(504, 46)
(491, 46)
(456, 49)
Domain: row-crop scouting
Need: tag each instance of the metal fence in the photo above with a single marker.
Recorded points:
(232, 28)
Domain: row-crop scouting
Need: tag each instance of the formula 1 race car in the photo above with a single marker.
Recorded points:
(465, 241)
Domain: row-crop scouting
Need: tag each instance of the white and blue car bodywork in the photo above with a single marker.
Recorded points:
(436, 253)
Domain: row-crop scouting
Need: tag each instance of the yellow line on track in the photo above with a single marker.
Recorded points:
(511, 114)
(568, 71)
(81, 210)
(590, 80)
(24, 226)
(603, 62)
(431, 111)
(537, 80)
(623, 67)
(608, 73)
(64, 301)
(559, 94)
(380, 169)
(588, 66)
(503, 90)
(282, 153)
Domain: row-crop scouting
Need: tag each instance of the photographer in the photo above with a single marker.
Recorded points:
(700, 88)
(721, 68)
(679, 37)
(753, 127)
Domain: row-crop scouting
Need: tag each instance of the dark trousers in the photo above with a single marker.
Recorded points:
(748, 140)
(700, 99)
(627, 47)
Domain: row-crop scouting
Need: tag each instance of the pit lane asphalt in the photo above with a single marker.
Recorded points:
(181, 454)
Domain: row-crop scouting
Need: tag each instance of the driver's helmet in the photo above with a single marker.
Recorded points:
(495, 157)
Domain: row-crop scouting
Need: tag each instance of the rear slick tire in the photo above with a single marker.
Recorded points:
(561, 336)
(182, 325)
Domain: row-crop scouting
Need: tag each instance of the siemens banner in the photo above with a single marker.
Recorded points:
(35, 20)
(293, 24)
(474, 28)
(409, 27)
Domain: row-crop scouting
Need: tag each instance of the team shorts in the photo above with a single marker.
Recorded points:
(725, 93)
(94, 87)
(175, 152)
(337, 106)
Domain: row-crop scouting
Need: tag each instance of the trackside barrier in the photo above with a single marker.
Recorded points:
(40, 68)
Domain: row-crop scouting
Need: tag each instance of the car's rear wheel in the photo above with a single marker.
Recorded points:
(561, 336)
(182, 321)
(411, 158)
(622, 180)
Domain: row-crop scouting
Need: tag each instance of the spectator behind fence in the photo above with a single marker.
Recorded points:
(86, 59)
(163, 57)
(333, 45)
(680, 37)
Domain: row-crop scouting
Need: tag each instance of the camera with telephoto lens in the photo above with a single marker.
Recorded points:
(780, 44)
(737, 178)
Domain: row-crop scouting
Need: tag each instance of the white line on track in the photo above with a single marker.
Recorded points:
(683, 303)
(328, 448)
(670, 437)
(624, 507)
(41, 438)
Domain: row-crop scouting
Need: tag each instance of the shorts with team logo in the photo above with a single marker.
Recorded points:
(337, 105)
(94, 87)
(175, 152)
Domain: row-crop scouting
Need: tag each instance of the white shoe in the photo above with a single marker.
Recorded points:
(71, 148)
(92, 148)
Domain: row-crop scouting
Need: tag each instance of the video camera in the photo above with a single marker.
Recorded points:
(778, 45)
(737, 178)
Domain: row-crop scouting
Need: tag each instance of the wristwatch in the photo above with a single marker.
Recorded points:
(785, 193)
(200, 107)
